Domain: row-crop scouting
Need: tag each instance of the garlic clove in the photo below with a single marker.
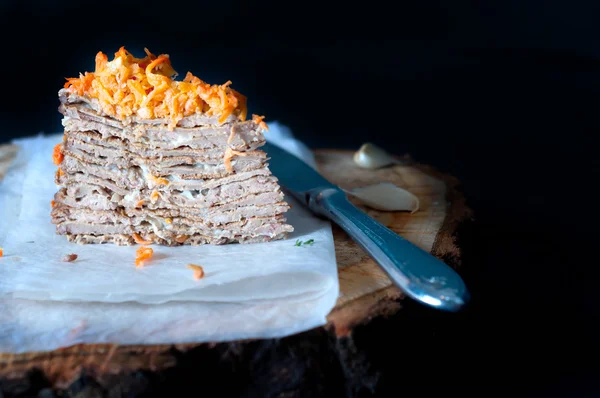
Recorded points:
(370, 156)
(387, 197)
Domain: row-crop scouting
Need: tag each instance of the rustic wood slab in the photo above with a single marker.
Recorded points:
(365, 290)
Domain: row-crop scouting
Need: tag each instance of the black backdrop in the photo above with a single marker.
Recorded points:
(504, 95)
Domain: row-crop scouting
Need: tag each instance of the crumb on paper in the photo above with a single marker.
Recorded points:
(143, 254)
(198, 271)
(69, 258)
(78, 329)
(74, 334)
(1, 252)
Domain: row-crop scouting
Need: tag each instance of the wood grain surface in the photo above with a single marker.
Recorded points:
(365, 290)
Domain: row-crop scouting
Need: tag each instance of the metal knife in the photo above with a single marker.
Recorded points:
(419, 274)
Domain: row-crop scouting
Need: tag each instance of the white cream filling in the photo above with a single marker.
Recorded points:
(132, 197)
(145, 170)
(204, 166)
(174, 178)
(187, 195)
(180, 140)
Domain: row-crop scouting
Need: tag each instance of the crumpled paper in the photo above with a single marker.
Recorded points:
(264, 290)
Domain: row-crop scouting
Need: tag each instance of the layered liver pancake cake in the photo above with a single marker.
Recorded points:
(147, 158)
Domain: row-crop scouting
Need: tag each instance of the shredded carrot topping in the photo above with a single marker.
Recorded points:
(145, 87)
(158, 180)
(259, 120)
(198, 271)
(229, 154)
(52, 203)
(154, 196)
(57, 155)
(139, 204)
(231, 136)
(1, 252)
(143, 254)
(138, 239)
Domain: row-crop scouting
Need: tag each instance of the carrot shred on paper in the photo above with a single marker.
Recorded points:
(198, 271)
(70, 258)
(143, 254)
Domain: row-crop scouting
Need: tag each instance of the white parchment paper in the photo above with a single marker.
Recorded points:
(261, 290)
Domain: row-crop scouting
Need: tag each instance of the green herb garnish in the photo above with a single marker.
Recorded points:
(307, 243)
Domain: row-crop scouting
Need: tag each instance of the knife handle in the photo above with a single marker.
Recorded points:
(416, 272)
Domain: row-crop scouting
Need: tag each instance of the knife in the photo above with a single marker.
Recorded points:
(419, 274)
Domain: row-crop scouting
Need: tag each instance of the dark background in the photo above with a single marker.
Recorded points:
(503, 95)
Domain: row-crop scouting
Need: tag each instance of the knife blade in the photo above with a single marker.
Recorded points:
(419, 274)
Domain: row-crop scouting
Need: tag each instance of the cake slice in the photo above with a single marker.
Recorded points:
(149, 159)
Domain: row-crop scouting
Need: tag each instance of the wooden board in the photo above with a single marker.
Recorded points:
(365, 291)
